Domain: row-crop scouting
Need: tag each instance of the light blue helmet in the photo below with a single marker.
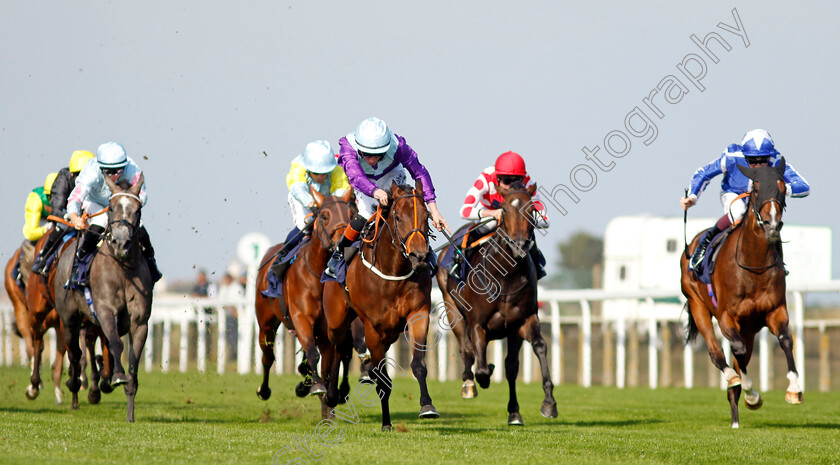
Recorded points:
(758, 143)
(318, 157)
(111, 155)
(373, 136)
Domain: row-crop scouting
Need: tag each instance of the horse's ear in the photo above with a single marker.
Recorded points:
(532, 189)
(418, 185)
(319, 199)
(395, 189)
(348, 194)
(747, 171)
(780, 168)
(138, 186)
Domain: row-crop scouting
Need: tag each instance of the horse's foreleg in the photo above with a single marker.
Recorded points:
(37, 337)
(83, 360)
(703, 321)
(307, 342)
(530, 331)
(751, 397)
(106, 371)
(330, 358)
(139, 332)
(777, 322)
(74, 381)
(357, 330)
(267, 338)
(94, 395)
(459, 328)
(511, 373)
(379, 372)
(417, 330)
(58, 363)
(108, 323)
(483, 371)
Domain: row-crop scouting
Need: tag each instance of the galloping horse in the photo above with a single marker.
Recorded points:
(34, 336)
(302, 289)
(499, 300)
(389, 288)
(749, 283)
(121, 291)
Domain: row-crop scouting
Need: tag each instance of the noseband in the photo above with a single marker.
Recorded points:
(402, 242)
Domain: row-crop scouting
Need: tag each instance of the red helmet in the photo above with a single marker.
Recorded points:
(510, 163)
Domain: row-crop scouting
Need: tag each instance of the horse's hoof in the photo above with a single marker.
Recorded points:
(386, 427)
(733, 382)
(303, 368)
(301, 390)
(32, 392)
(548, 410)
(317, 389)
(515, 419)
(365, 379)
(263, 392)
(755, 403)
(794, 398)
(491, 367)
(73, 384)
(119, 379)
(94, 396)
(468, 390)
(105, 386)
(428, 411)
(58, 396)
(735, 425)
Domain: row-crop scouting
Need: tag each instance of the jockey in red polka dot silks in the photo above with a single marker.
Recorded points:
(484, 201)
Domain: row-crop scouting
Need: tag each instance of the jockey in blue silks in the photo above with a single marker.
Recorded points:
(757, 149)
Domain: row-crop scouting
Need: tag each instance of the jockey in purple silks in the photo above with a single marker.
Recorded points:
(757, 149)
(373, 157)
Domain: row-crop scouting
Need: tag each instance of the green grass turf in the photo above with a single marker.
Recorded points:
(192, 418)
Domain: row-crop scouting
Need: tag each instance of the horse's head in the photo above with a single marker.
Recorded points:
(517, 215)
(409, 219)
(767, 197)
(123, 216)
(332, 216)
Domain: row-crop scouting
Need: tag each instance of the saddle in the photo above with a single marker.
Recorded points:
(277, 271)
(707, 266)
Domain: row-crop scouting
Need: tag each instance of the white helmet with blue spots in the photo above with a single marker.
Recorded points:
(758, 143)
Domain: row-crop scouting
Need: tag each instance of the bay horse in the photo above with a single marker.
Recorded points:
(121, 293)
(499, 300)
(302, 290)
(749, 285)
(389, 288)
(34, 337)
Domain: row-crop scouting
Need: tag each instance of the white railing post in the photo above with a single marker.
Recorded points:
(620, 350)
(556, 349)
(258, 368)
(586, 332)
(184, 344)
(148, 349)
(764, 360)
(498, 375)
(799, 339)
(165, 344)
(688, 356)
(653, 353)
(442, 354)
(244, 341)
(727, 354)
(279, 348)
(201, 350)
(528, 359)
(221, 339)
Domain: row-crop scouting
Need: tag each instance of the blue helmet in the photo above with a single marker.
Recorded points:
(318, 157)
(758, 143)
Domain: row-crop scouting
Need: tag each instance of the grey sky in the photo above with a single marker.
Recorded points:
(202, 89)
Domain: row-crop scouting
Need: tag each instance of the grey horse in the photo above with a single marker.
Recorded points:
(121, 291)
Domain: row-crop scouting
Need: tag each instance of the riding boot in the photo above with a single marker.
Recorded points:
(539, 260)
(351, 233)
(87, 246)
(782, 257)
(700, 251)
(52, 240)
(280, 265)
(149, 254)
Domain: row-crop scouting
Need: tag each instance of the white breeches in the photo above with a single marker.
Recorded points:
(93, 207)
(735, 210)
(367, 205)
(299, 212)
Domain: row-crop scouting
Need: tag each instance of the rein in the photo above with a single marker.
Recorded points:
(398, 242)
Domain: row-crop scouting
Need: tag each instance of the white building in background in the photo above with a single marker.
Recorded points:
(643, 252)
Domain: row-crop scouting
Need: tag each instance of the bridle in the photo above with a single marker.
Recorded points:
(401, 242)
(324, 236)
(132, 227)
(755, 211)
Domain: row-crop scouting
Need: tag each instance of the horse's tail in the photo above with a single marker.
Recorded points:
(690, 326)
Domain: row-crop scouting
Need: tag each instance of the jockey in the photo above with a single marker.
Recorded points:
(373, 157)
(316, 167)
(35, 225)
(757, 149)
(61, 189)
(484, 200)
(92, 194)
